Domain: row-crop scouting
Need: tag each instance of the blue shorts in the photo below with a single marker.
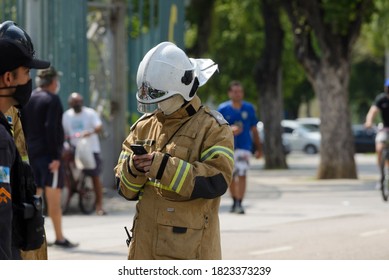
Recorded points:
(42, 174)
(94, 172)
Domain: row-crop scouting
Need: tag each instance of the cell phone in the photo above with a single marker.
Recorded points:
(138, 149)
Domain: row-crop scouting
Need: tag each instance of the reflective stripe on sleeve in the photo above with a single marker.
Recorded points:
(211, 152)
(178, 178)
(123, 156)
(128, 184)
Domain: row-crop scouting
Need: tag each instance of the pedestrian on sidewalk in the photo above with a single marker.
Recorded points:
(241, 116)
(42, 122)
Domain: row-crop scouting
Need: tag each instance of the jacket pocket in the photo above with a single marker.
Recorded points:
(178, 151)
(179, 234)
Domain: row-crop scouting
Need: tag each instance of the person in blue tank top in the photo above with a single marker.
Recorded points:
(243, 121)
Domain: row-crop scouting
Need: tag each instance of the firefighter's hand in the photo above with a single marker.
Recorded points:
(143, 162)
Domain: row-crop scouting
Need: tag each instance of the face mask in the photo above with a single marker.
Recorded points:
(77, 108)
(21, 94)
(172, 104)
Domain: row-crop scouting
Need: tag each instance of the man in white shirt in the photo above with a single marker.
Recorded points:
(79, 122)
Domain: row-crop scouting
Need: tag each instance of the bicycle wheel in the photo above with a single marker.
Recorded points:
(66, 195)
(87, 196)
(385, 175)
(67, 191)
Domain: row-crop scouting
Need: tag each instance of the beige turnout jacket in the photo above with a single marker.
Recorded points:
(177, 209)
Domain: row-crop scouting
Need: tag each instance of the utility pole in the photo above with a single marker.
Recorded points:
(119, 75)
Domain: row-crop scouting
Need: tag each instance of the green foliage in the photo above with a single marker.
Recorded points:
(295, 86)
(374, 38)
(368, 61)
(142, 12)
(364, 90)
(235, 44)
(340, 14)
(237, 40)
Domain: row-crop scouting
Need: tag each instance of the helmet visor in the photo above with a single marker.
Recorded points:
(146, 92)
(148, 98)
(146, 108)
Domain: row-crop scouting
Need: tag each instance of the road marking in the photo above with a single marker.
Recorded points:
(374, 232)
(272, 250)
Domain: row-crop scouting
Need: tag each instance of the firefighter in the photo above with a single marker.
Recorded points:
(188, 165)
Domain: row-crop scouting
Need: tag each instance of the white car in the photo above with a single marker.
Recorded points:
(285, 143)
(312, 124)
(301, 137)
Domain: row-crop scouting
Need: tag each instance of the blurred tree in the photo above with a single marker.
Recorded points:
(325, 32)
(199, 15)
(268, 78)
(236, 41)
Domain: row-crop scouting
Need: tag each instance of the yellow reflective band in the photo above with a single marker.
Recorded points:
(123, 155)
(25, 159)
(211, 152)
(180, 176)
(157, 185)
(129, 185)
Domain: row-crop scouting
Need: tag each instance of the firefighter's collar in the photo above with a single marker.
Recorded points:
(189, 109)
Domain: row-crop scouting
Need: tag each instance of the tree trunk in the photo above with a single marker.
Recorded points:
(199, 13)
(268, 79)
(271, 112)
(337, 146)
(327, 64)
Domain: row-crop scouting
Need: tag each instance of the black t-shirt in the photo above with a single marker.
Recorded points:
(382, 102)
(42, 124)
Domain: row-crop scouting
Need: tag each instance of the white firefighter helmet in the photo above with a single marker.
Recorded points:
(165, 71)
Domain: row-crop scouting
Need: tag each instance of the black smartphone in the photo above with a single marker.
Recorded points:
(138, 149)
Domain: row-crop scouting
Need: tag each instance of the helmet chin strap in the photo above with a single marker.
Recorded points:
(172, 104)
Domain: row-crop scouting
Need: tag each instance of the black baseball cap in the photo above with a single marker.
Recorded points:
(16, 49)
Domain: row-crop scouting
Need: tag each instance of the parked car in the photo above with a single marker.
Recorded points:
(301, 137)
(312, 124)
(285, 143)
(364, 138)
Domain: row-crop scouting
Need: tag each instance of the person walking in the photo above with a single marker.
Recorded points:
(241, 116)
(16, 60)
(42, 122)
(181, 162)
(83, 122)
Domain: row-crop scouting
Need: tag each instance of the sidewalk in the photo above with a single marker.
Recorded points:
(103, 237)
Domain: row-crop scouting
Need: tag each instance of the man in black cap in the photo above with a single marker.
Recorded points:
(16, 60)
(42, 122)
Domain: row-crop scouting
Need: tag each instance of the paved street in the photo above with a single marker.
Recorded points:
(289, 215)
